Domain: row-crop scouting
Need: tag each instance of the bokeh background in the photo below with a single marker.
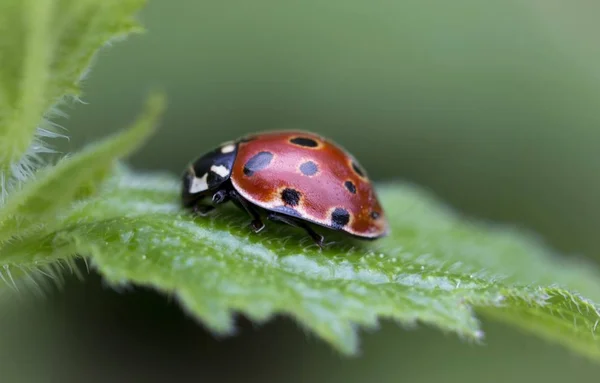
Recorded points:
(494, 106)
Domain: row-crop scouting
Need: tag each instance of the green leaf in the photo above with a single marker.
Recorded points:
(46, 46)
(436, 268)
(54, 187)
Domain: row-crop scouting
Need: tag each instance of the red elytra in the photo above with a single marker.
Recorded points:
(296, 177)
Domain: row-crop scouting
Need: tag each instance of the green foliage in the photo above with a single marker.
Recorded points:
(46, 46)
(436, 267)
(74, 177)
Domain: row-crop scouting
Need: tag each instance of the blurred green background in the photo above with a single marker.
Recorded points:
(491, 105)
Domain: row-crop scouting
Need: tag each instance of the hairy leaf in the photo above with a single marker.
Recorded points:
(41, 198)
(436, 268)
(46, 46)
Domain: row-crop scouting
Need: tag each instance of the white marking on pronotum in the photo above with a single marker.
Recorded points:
(220, 170)
(199, 184)
(228, 148)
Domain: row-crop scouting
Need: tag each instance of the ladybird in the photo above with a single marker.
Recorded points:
(293, 177)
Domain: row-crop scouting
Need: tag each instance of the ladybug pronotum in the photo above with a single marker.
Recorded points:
(295, 177)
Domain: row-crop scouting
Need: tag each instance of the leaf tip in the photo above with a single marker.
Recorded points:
(156, 102)
(148, 121)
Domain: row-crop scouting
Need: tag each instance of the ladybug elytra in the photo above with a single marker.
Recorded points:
(296, 177)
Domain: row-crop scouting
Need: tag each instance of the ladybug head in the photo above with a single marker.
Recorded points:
(209, 172)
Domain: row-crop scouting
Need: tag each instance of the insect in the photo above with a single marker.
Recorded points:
(293, 177)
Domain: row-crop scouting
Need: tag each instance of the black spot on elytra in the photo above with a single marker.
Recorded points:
(375, 215)
(309, 168)
(357, 169)
(290, 197)
(350, 186)
(340, 217)
(258, 162)
(304, 141)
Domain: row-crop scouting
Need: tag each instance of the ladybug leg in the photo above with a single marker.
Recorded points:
(239, 201)
(318, 238)
(202, 210)
(221, 196)
(197, 208)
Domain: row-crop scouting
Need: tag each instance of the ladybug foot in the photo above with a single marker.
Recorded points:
(202, 210)
(220, 197)
(317, 238)
(257, 225)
